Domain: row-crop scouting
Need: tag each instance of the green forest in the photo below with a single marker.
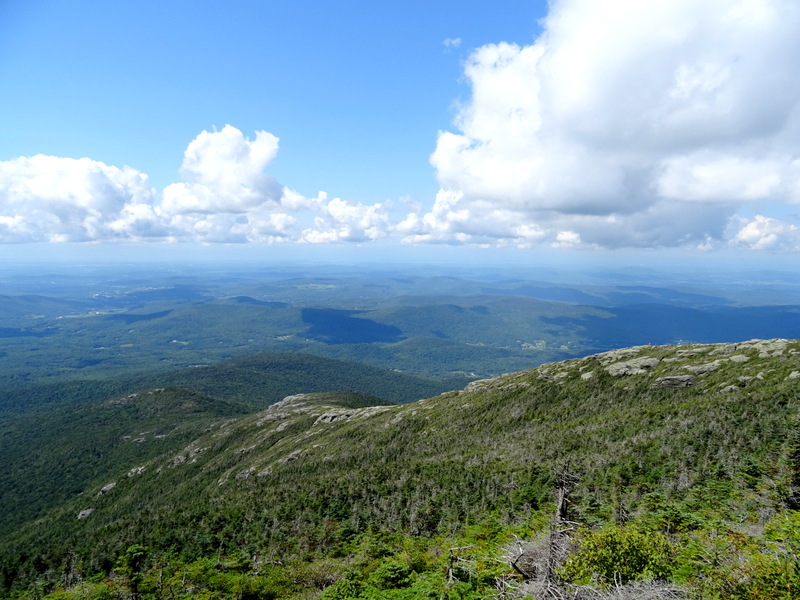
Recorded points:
(657, 471)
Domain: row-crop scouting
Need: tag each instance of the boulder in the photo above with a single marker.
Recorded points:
(704, 368)
(676, 381)
(107, 488)
(634, 366)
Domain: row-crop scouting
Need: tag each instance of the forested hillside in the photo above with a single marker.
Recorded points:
(654, 471)
(256, 380)
(56, 439)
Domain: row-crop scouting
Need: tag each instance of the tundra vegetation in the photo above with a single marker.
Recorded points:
(666, 471)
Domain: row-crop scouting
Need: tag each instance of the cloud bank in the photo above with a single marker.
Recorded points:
(625, 124)
(225, 197)
(628, 124)
(51, 199)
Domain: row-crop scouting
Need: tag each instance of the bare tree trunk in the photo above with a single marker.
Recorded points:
(560, 526)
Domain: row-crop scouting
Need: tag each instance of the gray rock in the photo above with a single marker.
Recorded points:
(739, 358)
(690, 352)
(107, 488)
(676, 381)
(634, 366)
(513, 387)
(794, 375)
(724, 349)
(478, 384)
(729, 388)
(767, 348)
(330, 417)
(85, 513)
(703, 369)
(292, 456)
(246, 473)
(615, 355)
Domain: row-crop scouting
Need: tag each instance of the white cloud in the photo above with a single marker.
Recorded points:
(452, 42)
(765, 233)
(343, 221)
(226, 197)
(567, 239)
(139, 221)
(224, 173)
(47, 198)
(626, 124)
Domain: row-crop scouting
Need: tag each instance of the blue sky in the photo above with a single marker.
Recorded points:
(355, 90)
(371, 127)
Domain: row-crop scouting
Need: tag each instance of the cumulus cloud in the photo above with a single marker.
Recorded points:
(224, 173)
(344, 221)
(52, 199)
(765, 233)
(226, 196)
(625, 124)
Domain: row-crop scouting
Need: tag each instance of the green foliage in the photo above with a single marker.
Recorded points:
(730, 564)
(346, 588)
(772, 568)
(130, 566)
(391, 574)
(53, 457)
(327, 495)
(619, 555)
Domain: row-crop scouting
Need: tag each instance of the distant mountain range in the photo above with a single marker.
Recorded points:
(88, 327)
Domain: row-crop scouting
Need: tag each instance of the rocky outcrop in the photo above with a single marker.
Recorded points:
(107, 488)
(676, 381)
(331, 416)
(634, 366)
(704, 368)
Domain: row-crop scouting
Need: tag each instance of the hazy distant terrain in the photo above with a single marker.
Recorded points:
(91, 322)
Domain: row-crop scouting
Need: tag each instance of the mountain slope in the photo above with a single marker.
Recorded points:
(680, 439)
(50, 457)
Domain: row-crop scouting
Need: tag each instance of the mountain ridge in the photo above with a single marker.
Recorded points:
(682, 440)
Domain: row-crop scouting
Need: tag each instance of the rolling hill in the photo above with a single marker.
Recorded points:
(257, 380)
(57, 439)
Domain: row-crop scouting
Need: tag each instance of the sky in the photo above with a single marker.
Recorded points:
(360, 128)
